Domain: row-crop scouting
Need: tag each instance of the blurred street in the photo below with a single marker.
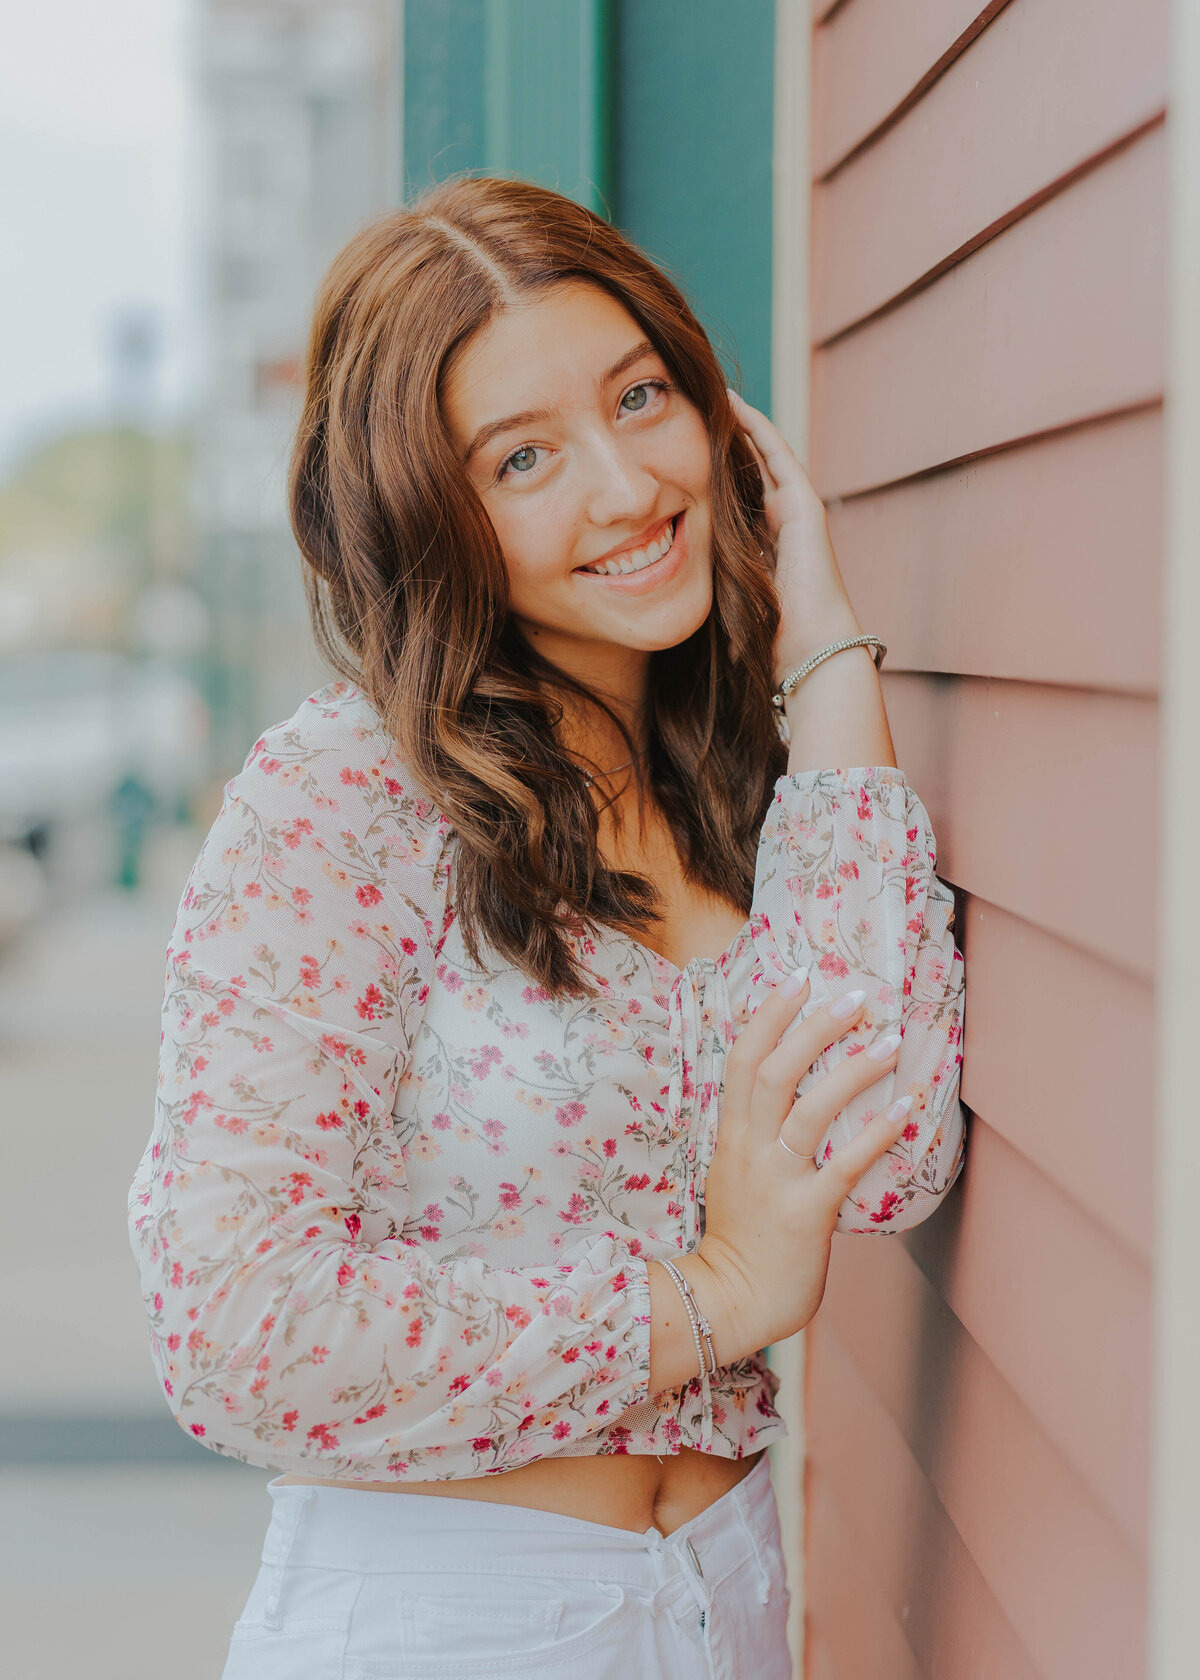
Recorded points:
(126, 1572)
(109, 1567)
(209, 158)
(79, 1000)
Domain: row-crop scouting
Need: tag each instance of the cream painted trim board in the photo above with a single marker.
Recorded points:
(791, 177)
(394, 34)
(791, 191)
(1175, 1474)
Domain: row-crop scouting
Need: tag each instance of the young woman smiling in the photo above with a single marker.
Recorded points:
(534, 1013)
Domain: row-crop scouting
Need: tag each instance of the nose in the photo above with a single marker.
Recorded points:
(621, 488)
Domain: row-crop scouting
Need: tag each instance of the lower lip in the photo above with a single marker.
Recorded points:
(660, 571)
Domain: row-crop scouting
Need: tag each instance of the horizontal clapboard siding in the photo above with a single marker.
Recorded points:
(987, 433)
(1042, 801)
(1072, 523)
(1057, 1572)
(1076, 1095)
(855, 1635)
(1063, 80)
(1057, 320)
(1059, 1308)
(875, 58)
(959, 1629)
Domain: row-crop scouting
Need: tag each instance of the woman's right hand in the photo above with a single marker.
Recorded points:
(759, 1271)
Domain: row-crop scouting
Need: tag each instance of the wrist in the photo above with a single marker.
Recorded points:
(837, 679)
(794, 649)
(723, 1303)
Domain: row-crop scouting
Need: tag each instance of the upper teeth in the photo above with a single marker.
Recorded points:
(637, 559)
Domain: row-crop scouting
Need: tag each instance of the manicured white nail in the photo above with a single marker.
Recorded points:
(847, 1004)
(795, 982)
(884, 1047)
(898, 1110)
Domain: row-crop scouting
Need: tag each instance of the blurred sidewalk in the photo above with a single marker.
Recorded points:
(110, 1566)
(79, 1024)
(126, 1573)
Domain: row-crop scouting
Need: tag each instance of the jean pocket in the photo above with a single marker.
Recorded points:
(475, 1626)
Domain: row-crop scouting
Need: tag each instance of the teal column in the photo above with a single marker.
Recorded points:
(546, 96)
(694, 115)
(443, 90)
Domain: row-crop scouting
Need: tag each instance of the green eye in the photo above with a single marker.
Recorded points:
(636, 391)
(515, 461)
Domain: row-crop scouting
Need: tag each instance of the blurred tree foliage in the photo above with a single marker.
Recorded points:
(88, 520)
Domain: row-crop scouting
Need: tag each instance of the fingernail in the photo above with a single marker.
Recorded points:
(795, 982)
(847, 1004)
(884, 1047)
(898, 1109)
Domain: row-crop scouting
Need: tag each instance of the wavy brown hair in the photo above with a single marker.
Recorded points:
(408, 587)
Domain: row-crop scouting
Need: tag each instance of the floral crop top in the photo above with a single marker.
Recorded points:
(394, 1217)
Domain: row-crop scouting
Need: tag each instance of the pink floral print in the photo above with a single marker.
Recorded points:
(394, 1216)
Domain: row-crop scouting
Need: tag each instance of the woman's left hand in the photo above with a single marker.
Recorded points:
(815, 608)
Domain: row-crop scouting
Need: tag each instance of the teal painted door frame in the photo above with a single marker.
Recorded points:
(506, 87)
(657, 114)
(547, 96)
(693, 119)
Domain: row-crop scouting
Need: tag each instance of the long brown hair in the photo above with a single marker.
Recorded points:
(408, 588)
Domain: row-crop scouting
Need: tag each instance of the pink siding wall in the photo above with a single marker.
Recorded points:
(987, 374)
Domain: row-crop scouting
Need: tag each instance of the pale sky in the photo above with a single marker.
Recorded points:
(97, 172)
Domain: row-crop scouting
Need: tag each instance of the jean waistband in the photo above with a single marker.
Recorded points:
(345, 1528)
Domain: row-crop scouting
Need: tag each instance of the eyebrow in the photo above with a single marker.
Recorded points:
(493, 428)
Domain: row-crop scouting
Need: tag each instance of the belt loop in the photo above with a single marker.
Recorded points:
(287, 1525)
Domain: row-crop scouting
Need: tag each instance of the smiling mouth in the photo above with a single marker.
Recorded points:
(637, 559)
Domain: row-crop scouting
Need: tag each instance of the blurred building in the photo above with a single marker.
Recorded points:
(301, 100)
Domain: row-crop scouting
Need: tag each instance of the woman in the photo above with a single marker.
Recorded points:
(484, 942)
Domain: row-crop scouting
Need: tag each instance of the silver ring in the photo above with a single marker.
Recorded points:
(796, 1152)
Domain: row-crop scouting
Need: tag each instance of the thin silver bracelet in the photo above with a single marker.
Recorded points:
(793, 677)
(691, 1318)
(700, 1325)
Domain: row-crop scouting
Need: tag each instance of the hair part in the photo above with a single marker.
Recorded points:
(408, 588)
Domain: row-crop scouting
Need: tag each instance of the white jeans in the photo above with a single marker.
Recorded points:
(384, 1586)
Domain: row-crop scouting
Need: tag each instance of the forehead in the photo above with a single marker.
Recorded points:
(550, 349)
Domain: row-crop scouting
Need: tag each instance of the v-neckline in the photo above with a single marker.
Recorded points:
(675, 972)
(608, 932)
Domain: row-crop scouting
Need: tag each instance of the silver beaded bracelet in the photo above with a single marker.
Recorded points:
(793, 677)
(700, 1325)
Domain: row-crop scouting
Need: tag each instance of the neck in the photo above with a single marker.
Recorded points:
(620, 676)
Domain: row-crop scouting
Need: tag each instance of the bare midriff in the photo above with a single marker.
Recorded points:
(617, 1489)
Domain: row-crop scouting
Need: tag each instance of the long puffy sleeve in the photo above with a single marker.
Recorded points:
(294, 1322)
(845, 883)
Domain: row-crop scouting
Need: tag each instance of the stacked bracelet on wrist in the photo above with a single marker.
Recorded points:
(701, 1328)
(793, 677)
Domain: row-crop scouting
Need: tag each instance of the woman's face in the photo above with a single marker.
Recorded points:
(584, 455)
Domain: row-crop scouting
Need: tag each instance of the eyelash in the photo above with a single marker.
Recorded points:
(648, 384)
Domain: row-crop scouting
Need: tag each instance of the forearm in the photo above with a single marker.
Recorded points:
(836, 713)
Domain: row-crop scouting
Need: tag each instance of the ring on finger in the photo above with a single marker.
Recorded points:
(796, 1152)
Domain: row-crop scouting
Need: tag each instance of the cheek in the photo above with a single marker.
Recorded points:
(687, 456)
(535, 539)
